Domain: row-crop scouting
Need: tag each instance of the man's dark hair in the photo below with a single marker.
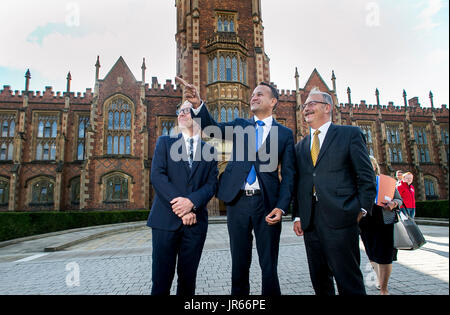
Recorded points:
(273, 89)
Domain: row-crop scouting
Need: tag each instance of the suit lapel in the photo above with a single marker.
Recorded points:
(331, 133)
(307, 149)
(183, 153)
(197, 158)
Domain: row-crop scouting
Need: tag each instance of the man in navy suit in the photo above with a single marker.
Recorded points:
(335, 188)
(250, 186)
(184, 183)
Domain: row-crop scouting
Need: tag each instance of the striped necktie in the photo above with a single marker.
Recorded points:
(191, 152)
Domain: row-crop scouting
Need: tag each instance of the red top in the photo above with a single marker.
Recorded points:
(407, 193)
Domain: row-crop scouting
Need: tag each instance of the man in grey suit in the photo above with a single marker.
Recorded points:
(336, 187)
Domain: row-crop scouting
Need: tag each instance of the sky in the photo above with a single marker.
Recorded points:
(386, 44)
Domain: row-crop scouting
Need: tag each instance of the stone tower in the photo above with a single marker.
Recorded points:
(220, 49)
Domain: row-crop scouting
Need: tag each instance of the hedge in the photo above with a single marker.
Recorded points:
(21, 224)
(432, 209)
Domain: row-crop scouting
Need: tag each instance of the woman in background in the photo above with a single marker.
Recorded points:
(406, 190)
(377, 234)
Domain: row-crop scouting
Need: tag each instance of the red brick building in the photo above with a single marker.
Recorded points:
(70, 151)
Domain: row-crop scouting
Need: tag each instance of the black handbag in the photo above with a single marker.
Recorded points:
(407, 234)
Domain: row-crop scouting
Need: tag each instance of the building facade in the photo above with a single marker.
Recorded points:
(93, 150)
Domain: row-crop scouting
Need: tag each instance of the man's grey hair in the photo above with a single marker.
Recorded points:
(326, 98)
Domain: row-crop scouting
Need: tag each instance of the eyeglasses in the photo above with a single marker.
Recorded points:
(183, 111)
(313, 103)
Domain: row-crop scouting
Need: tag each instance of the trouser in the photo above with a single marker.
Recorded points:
(244, 215)
(186, 245)
(333, 253)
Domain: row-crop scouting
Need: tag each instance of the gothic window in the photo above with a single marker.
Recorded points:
(230, 114)
(420, 134)
(83, 124)
(215, 69)
(228, 69)
(8, 125)
(444, 137)
(367, 131)
(231, 68)
(430, 184)
(116, 188)
(223, 115)
(222, 69)
(42, 192)
(4, 191)
(394, 142)
(236, 112)
(118, 135)
(75, 191)
(234, 69)
(167, 126)
(225, 23)
(46, 137)
(216, 114)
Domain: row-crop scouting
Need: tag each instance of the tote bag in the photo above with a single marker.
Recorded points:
(407, 234)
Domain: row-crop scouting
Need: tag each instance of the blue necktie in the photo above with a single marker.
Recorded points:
(251, 178)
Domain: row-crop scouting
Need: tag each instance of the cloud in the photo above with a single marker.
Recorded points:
(427, 15)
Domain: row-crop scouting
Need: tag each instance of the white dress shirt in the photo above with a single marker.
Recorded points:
(186, 138)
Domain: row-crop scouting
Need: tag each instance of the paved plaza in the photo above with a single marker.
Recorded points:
(119, 262)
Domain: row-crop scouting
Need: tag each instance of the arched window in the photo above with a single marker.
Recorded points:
(216, 114)
(220, 25)
(236, 112)
(222, 69)
(431, 189)
(223, 114)
(46, 137)
(215, 70)
(117, 188)
(42, 192)
(420, 134)
(395, 146)
(83, 124)
(4, 191)
(234, 69)
(75, 191)
(5, 129)
(230, 114)
(119, 126)
(228, 69)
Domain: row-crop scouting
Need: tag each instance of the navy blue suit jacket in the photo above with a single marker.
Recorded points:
(171, 179)
(276, 193)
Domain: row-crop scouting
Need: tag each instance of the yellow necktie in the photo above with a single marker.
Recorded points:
(315, 147)
(315, 153)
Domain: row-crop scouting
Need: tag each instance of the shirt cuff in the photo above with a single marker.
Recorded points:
(297, 219)
(364, 211)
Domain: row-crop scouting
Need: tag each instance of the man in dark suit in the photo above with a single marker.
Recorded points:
(255, 196)
(184, 183)
(335, 187)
